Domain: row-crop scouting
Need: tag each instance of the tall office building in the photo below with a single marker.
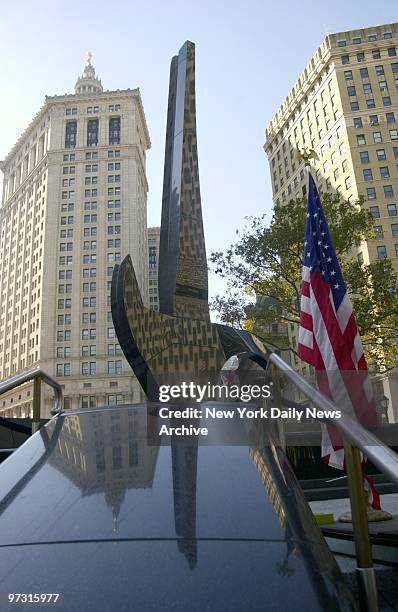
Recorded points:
(74, 203)
(345, 107)
(153, 260)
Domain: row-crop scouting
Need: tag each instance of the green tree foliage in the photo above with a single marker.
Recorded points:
(266, 263)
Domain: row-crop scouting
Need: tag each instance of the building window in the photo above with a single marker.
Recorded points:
(383, 86)
(386, 101)
(345, 59)
(379, 70)
(392, 210)
(360, 57)
(89, 368)
(358, 122)
(376, 54)
(379, 232)
(115, 399)
(117, 457)
(100, 460)
(63, 369)
(70, 134)
(381, 154)
(384, 172)
(351, 90)
(377, 137)
(364, 72)
(394, 134)
(361, 139)
(375, 212)
(115, 367)
(374, 120)
(370, 103)
(390, 117)
(348, 75)
(152, 257)
(367, 88)
(394, 229)
(388, 191)
(391, 52)
(88, 401)
(92, 132)
(367, 174)
(381, 252)
(364, 155)
(354, 106)
(114, 130)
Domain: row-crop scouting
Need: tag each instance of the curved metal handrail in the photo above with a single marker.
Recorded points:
(37, 375)
(359, 439)
(379, 453)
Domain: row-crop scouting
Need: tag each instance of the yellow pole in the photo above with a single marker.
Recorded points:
(36, 404)
(277, 396)
(365, 570)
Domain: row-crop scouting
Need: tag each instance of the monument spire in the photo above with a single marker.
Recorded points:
(182, 261)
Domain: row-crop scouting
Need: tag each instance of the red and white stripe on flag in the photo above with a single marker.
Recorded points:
(328, 335)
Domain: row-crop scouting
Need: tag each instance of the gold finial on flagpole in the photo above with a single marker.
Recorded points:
(306, 156)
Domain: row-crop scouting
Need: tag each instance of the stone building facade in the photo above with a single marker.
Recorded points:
(344, 106)
(74, 203)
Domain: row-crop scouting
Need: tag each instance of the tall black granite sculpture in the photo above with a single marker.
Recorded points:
(183, 265)
(178, 343)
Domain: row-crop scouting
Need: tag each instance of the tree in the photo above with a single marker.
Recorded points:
(263, 270)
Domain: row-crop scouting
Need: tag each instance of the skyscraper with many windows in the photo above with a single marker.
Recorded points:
(74, 203)
(345, 107)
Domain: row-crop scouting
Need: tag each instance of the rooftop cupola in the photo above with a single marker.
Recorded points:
(88, 82)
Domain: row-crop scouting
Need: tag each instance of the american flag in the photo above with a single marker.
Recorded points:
(328, 335)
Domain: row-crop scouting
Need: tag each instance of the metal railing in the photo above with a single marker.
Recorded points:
(379, 453)
(37, 375)
(356, 439)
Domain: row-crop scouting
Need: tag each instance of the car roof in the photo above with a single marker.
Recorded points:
(90, 479)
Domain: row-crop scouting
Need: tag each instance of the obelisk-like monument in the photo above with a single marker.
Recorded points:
(183, 288)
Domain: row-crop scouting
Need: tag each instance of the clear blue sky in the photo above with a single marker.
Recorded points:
(248, 55)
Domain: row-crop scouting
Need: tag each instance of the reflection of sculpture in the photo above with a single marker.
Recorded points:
(184, 459)
(179, 342)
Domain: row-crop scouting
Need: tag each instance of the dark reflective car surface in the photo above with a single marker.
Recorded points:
(89, 510)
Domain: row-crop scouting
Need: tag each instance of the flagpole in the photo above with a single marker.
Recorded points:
(359, 515)
(366, 577)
